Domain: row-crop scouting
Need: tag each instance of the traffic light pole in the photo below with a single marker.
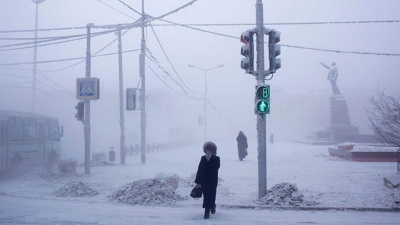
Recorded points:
(261, 118)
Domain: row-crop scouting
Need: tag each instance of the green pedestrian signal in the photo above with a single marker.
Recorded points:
(262, 99)
(262, 106)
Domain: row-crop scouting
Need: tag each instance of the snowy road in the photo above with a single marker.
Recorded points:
(17, 210)
(329, 181)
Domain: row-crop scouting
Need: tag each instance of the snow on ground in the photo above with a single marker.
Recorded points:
(303, 175)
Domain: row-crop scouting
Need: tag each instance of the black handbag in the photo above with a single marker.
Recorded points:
(196, 193)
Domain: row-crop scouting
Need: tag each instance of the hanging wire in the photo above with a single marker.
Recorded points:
(154, 60)
(115, 9)
(59, 86)
(187, 96)
(166, 56)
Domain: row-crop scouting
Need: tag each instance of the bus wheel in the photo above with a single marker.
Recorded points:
(51, 160)
(15, 164)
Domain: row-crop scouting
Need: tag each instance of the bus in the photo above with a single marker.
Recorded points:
(28, 139)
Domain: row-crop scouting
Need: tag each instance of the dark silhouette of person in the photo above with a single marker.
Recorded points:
(271, 138)
(242, 145)
(207, 177)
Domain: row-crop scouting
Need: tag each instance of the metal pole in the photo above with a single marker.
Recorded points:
(205, 95)
(35, 59)
(37, 2)
(205, 105)
(121, 96)
(143, 91)
(261, 118)
(398, 161)
(87, 105)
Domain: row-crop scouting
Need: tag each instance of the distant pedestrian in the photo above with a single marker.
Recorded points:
(207, 177)
(242, 145)
(271, 138)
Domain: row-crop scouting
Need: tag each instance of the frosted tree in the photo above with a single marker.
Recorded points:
(384, 116)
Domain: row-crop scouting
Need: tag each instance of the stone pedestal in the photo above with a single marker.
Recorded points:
(340, 118)
(340, 129)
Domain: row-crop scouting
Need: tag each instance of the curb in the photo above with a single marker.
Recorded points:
(312, 208)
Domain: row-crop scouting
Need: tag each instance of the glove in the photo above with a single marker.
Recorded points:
(198, 186)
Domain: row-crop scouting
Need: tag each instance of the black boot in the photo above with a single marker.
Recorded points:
(206, 213)
(213, 210)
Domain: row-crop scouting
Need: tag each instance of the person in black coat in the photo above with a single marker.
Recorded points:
(207, 177)
(242, 145)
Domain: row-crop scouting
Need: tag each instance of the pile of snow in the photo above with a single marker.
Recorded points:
(155, 191)
(75, 189)
(172, 180)
(284, 194)
(189, 181)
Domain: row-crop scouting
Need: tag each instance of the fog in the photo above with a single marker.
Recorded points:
(299, 90)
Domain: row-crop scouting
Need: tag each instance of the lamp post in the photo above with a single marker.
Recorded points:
(205, 95)
(37, 2)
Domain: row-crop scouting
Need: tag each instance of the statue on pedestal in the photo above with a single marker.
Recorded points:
(332, 77)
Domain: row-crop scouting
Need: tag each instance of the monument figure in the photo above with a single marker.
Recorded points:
(340, 128)
(332, 77)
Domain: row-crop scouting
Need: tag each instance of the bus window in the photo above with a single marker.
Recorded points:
(16, 129)
(29, 129)
(53, 130)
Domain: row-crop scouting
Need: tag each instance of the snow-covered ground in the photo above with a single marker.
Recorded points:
(303, 175)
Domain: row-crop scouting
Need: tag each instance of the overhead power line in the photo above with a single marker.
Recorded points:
(115, 9)
(130, 7)
(64, 60)
(154, 60)
(166, 56)
(342, 51)
(207, 24)
(52, 41)
(278, 24)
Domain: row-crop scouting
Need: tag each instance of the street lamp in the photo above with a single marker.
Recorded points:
(205, 95)
(37, 2)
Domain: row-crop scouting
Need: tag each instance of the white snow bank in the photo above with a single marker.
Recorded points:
(75, 189)
(155, 191)
(284, 194)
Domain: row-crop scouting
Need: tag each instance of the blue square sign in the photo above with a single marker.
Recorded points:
(87, 88)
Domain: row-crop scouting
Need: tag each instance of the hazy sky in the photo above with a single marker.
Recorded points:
(300, 72)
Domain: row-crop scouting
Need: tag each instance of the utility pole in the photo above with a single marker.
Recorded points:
(86, 123)
(37, 2)
(143, 91)
(121, 96)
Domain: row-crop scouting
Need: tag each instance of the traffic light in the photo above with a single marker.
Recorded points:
(130, 98)
(247, 51)
(262, 99)
(274, 50)
(80, 108)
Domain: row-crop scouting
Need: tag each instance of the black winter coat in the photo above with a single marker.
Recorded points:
(207, 172)
(207, 177)
(242, 141)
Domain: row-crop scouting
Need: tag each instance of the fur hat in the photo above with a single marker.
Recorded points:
(209, 145)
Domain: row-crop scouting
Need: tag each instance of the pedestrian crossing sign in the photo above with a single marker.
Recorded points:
(87, 88)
